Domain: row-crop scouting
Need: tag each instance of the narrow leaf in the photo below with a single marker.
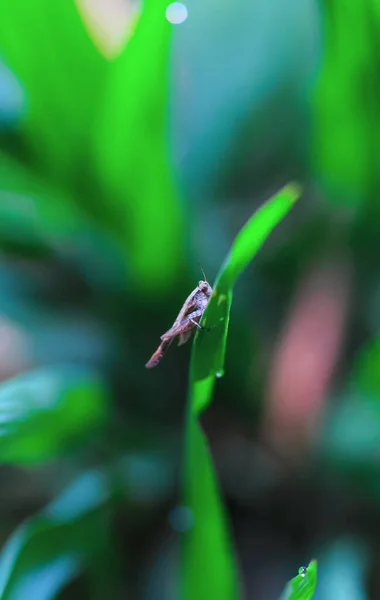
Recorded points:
(208, 569)
(206, 547)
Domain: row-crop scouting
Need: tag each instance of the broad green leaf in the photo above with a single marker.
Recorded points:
(42, 412)
(302, 587)
(206, 547)
(47, 46)
(132, 151)
(54, 546)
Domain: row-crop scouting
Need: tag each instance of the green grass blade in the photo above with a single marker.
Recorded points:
(208, 563)
(209, 348)
(208, 566)
(302, 587)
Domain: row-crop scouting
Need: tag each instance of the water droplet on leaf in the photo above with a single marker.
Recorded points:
(302, 571)
(220, 374)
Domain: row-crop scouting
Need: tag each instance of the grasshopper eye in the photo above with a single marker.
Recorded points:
(204, 287)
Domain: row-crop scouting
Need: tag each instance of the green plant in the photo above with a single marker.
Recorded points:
(89, 205)
(208, 354)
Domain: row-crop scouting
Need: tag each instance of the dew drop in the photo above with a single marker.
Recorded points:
(176, 13)
(219, 374)
(302, 571)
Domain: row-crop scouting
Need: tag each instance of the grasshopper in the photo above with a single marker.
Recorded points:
(187, 320)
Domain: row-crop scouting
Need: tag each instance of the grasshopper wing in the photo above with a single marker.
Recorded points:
(178, 326)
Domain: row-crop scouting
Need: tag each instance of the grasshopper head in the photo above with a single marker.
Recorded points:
(205, 288)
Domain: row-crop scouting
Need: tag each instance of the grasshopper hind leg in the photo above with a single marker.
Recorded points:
(158, 355)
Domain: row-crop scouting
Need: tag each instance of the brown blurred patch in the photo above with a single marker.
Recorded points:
(305, 357)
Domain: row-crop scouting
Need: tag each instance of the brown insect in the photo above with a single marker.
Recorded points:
(186, 322)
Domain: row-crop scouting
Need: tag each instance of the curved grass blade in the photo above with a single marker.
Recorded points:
(208, 563)
(209, 350)
(302, 587)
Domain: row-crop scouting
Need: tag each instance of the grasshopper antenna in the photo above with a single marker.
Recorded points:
(203, 273)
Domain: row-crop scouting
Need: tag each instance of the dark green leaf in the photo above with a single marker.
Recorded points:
(34, 214)
(38, 219)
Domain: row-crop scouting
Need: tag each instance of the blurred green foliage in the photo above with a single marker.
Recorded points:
(52, 547)
(85, 176)
(100, 242)
(43, 411)
(346, 103)
(61, 86)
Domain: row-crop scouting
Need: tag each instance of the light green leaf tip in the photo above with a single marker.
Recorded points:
(302, 587)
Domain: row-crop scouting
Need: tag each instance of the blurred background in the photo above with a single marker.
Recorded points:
(134, 144)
